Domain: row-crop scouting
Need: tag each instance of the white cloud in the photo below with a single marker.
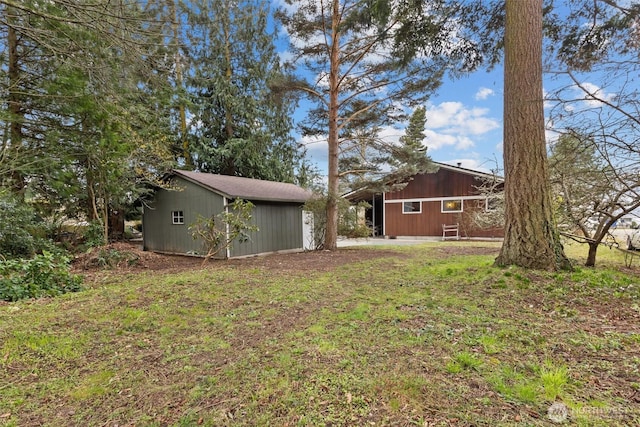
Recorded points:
(453, 124)
(317, 149)
(593, 95)
(483, 93)
(449, 125)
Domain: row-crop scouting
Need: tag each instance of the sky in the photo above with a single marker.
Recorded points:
(464, 120)
(464, 124)
(465, 117)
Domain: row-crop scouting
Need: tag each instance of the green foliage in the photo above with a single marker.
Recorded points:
(22, 232)
(349, 223)
(244, 120)
(17, 220)
(218, 232)
(83, 136)
(93, 235)
(43, 275)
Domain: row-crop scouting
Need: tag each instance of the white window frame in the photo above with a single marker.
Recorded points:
(419, 211)
(443, 202)
(177, 217)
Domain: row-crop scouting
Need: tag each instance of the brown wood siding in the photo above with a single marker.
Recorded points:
(443, 183)
(429, 221)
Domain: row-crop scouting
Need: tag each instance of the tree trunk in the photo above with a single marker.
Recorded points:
(331, 237)
(531, 237)
(16, 113)
(229, 167)
(175, 25)
(591, 257)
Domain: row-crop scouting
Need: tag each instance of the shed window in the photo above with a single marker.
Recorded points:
(411, 207)
(177, 217)
(449, 206)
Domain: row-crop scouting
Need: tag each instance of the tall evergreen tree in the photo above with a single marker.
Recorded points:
(410, 157)
(83, 115)
(239, 125)
(382, 165)
(531, 236)
(361, 64)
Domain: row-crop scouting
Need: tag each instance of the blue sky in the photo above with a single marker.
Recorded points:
(464, 123)
(464, 119)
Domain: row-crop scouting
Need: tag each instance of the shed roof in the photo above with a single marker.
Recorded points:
(247, 188)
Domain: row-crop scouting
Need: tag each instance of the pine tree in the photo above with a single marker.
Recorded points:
(531, 236)
(381, 165)
(362, 65)
(240, 125)
(84, 118)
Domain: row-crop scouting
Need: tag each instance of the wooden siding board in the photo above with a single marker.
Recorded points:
(443, 183)
(160, 234)
(280, 228)
(427, 223)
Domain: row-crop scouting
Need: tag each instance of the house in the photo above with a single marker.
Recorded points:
(277, 213)
(429, 202)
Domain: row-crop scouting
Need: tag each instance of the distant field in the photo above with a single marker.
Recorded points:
(422, 335)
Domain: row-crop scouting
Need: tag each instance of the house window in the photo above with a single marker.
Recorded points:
(450, 206)
(177, 217)
(411, 207)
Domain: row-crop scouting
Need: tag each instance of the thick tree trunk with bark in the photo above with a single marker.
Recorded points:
(15, 108)
(175, 26)
(531, 237)
(331, 236)
(591, 257)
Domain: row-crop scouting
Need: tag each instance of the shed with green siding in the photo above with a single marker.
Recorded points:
(277, 213)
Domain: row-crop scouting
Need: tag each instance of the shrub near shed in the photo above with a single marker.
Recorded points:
(41, 276)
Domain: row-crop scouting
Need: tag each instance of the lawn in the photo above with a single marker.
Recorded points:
(424, 335)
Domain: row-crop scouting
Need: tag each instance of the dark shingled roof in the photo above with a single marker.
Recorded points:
(247, 188)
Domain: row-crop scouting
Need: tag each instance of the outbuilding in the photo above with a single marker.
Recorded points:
(278, 214)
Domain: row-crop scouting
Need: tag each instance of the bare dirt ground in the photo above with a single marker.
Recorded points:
(128, 257)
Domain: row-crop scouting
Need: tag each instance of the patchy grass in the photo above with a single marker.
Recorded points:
(422, 335)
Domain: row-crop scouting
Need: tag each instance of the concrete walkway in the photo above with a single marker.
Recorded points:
(343, 243)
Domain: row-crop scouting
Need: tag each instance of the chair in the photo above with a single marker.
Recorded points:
(450, 231)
